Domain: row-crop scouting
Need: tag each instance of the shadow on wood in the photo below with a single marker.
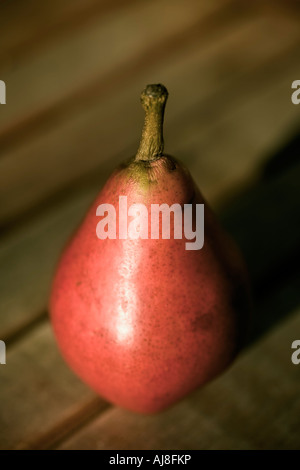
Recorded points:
(265, 222)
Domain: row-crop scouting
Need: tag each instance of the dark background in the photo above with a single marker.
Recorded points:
(74, 71)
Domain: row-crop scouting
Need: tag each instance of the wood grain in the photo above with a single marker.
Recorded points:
(247, 127)
(270, 211)
(28, 259)
(228, 66)
(57, 151)
(267, 313)
(96, 50)
(227, 111)
(254, 405)
(39, 395)
(28, 25)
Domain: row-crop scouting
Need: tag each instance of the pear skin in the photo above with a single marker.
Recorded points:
(144, 322)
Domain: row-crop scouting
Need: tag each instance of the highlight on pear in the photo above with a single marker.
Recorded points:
(144, 226)
(146, 320)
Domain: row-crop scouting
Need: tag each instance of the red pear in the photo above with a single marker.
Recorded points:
(142, 317)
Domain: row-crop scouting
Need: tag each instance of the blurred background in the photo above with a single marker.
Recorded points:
(74, 71)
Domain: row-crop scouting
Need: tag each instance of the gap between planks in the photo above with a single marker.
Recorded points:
(33, 347)
(63, 430)
(55, 224)
(51, 146)
(48, 100)
(54, 428)
(252, 414)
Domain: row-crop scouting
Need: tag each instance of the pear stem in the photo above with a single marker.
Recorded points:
(153, 99)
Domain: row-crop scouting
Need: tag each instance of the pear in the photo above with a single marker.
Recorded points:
(144, 320)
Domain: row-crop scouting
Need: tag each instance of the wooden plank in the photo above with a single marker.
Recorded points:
(270, 212)
(23, 170)
(271, 386)
(40, 398)
(292, 6)
(43, 238)
(51, 399)
(68, 64)
(27, 25)
(226, 152)
(44, 405)
(28, 260)
(253, 405)
(49, 385)
(270, 310)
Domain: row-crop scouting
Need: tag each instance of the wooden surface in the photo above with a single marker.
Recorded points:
(74, 72)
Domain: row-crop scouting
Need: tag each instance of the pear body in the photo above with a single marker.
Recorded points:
(146, 321)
